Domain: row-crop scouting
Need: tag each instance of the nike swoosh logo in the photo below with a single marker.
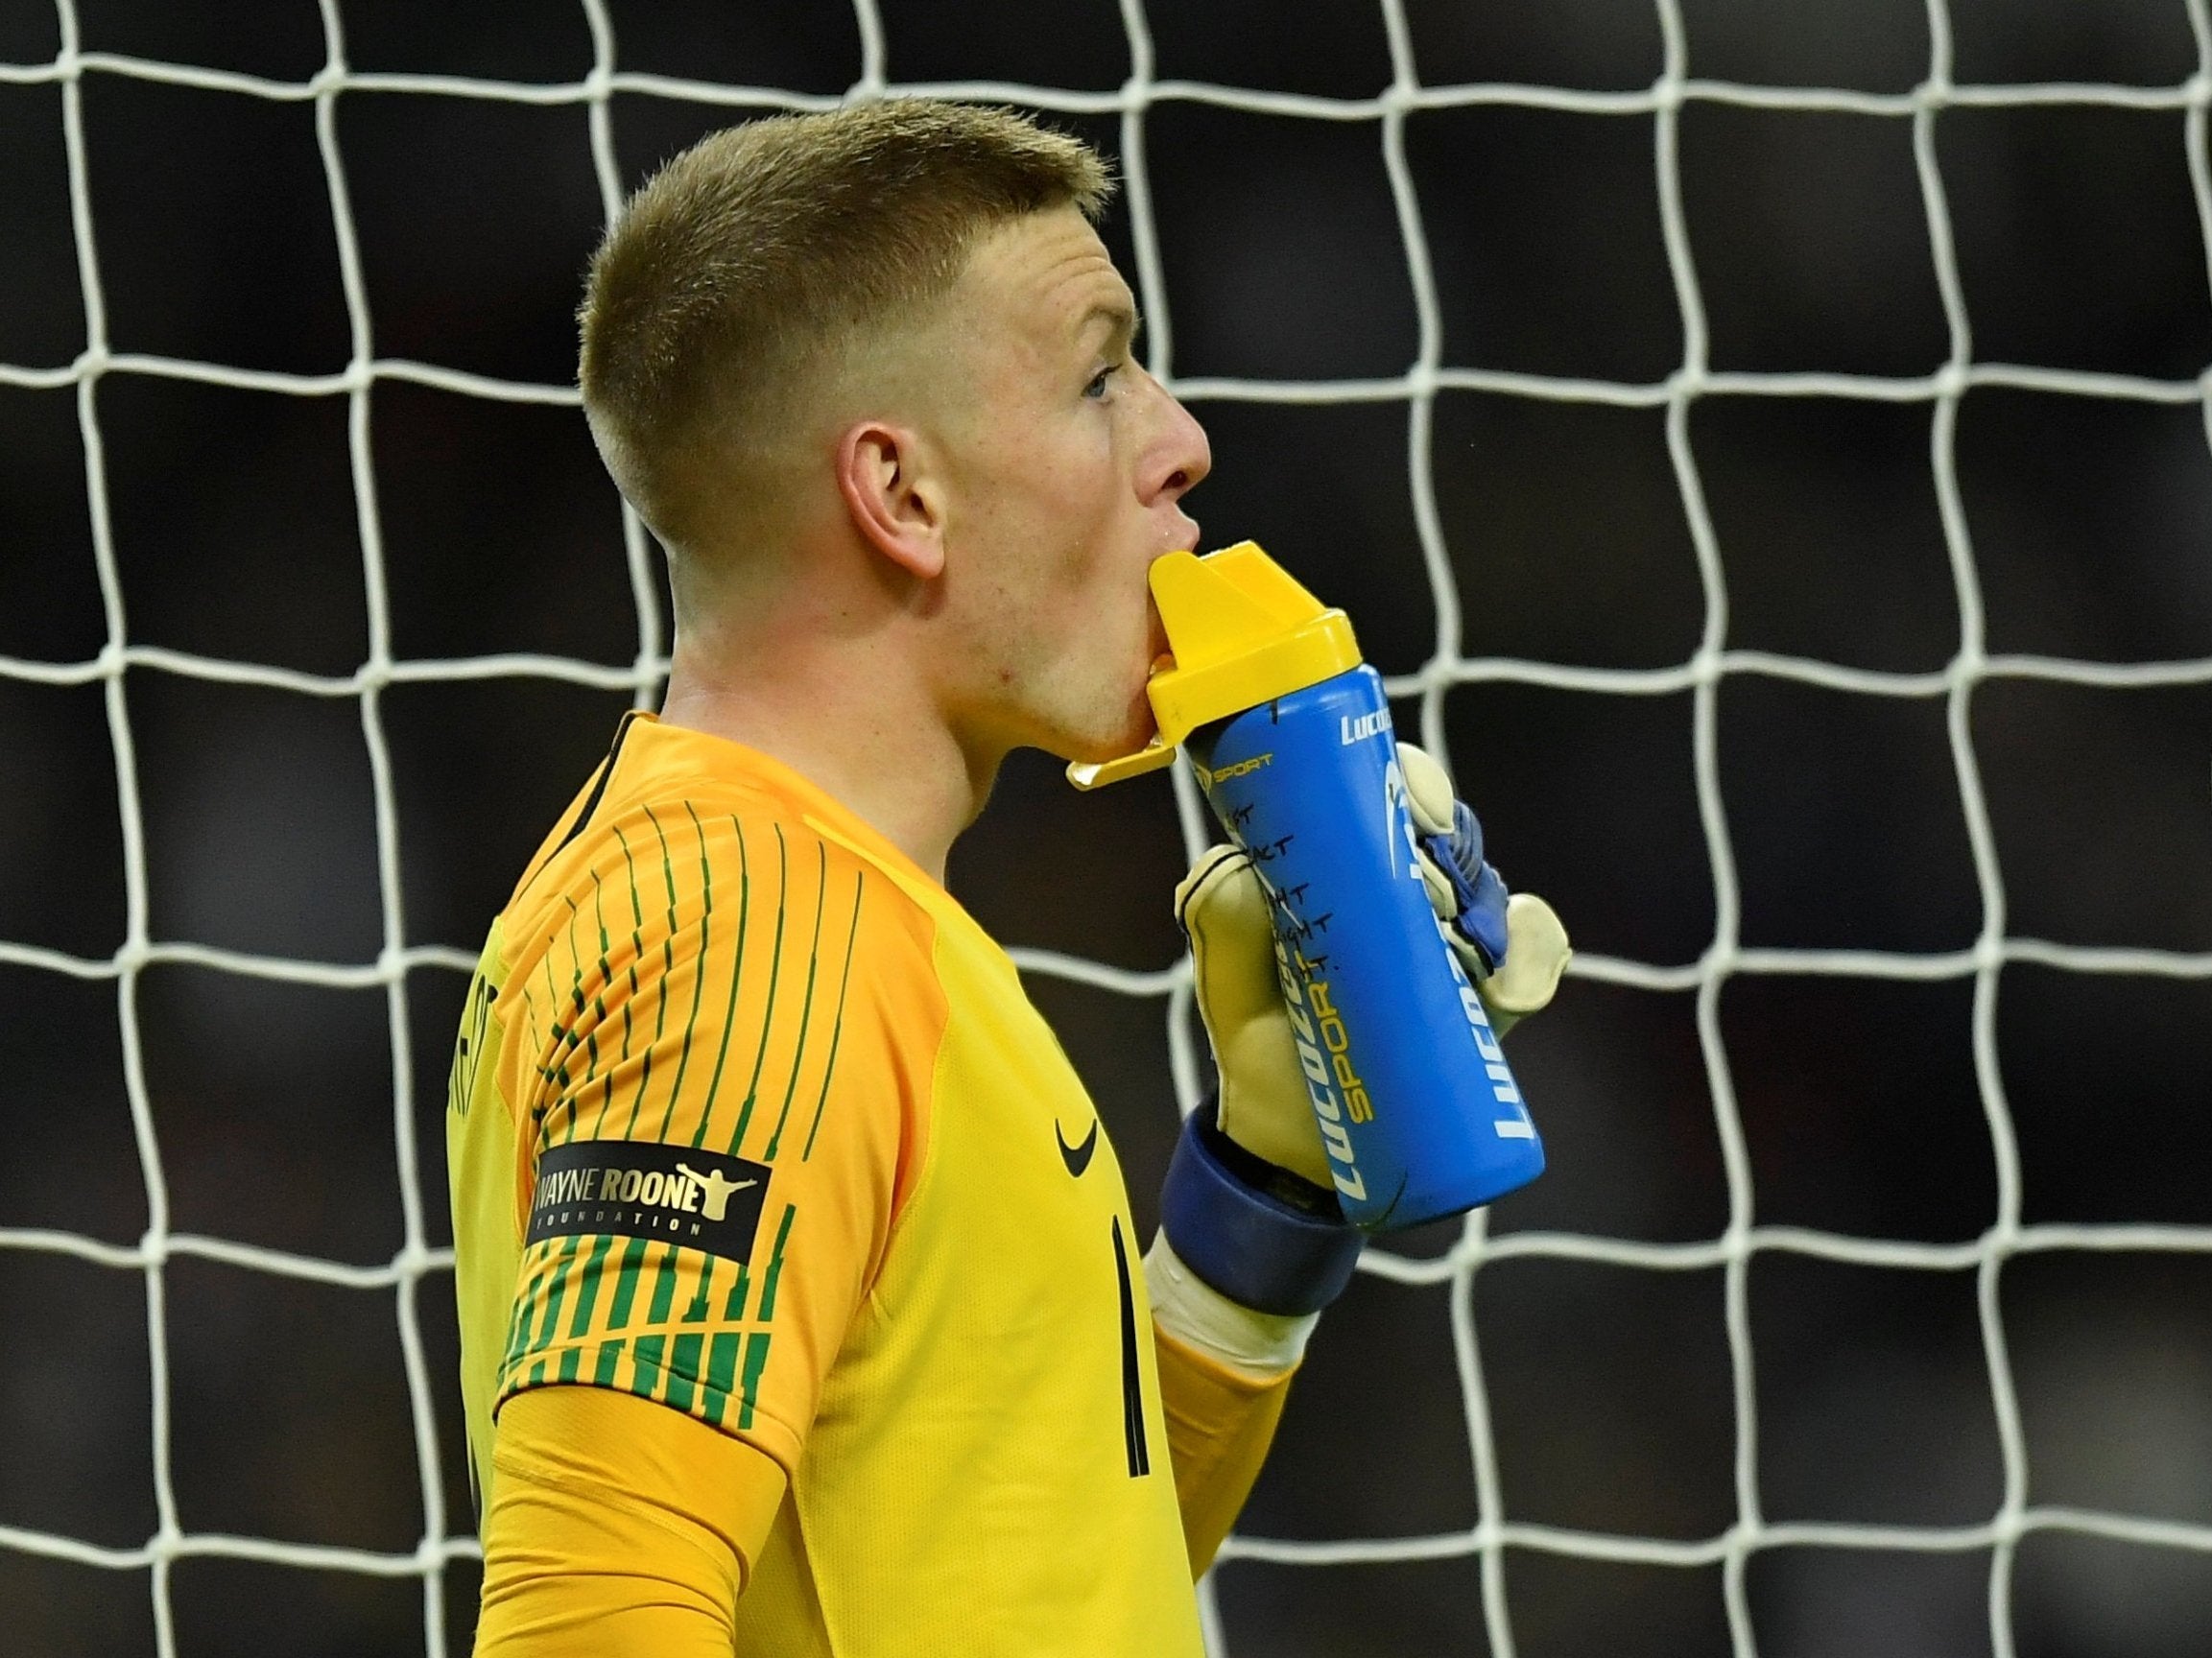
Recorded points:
(1076, 1157)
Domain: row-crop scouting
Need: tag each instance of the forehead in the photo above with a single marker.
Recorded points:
(1043, 277)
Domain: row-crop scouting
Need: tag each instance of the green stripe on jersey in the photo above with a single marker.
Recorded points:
(637, 950)
(774, 974)
(667, 972)
(626, 1285)
(526, 1304)
(608, 1362)
(554, 1293)
(697, 1311)
(837, 1025)
(775, 1266)
(806, 1003)
(699, 970)
(646, 1353)
(683, 1371)
(663, 1287)
(735, 1307)
(755, 1359)
(588, 1285)
(516, 1315)
(721, 1372)
(736, 978)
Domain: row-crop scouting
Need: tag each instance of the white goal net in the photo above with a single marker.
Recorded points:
(1505, 1546)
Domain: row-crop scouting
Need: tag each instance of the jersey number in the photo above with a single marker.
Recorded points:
(1133, 1379)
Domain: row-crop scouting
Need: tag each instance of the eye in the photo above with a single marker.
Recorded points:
(1098, 383)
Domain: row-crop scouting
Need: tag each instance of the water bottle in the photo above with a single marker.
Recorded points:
(1289, 733)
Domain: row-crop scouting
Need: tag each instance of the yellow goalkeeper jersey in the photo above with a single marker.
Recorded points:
(749, 1118)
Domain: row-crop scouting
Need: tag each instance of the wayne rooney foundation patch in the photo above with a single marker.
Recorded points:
(641, 1189)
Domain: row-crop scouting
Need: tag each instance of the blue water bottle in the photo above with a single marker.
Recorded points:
(1289, 735)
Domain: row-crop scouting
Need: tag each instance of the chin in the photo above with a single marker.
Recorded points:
(1091, 744)
(1095, 749)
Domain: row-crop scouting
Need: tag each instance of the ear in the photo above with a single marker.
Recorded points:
(891, 504)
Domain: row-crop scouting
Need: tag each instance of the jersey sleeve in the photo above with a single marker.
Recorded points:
(722, 1060)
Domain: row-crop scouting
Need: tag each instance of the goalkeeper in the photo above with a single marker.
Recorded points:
(802, 1311)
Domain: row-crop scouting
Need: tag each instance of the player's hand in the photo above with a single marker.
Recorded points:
(1513, 947)
(1222, 910)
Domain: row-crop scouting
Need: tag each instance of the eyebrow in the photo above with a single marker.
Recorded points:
(1122, 319)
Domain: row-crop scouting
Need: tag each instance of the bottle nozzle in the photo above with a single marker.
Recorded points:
(1240, 632)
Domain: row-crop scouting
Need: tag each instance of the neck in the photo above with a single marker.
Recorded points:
(847, 712)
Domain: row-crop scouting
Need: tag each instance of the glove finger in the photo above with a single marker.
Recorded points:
(1227, 915)
(1223, 911)
(1470, 903)
(1538, 954)
(1467, 840)
(1465, 891)
(1215, 863)
(1428, 791)
(1444, 896)
(1483, 922)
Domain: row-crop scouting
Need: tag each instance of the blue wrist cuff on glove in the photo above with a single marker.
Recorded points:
(1282, 1246)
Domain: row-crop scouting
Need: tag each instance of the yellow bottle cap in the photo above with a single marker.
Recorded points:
(1242, 632)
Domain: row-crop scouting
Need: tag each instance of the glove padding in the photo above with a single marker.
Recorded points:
(1513, 948)
(1223, 911)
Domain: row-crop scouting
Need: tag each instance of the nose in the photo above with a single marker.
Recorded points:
(1179, 454)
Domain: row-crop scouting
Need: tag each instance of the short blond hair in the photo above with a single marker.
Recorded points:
(746, 263)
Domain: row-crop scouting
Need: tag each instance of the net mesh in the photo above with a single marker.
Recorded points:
(418, 1268)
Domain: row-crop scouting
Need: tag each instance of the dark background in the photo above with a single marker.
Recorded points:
(236, 538)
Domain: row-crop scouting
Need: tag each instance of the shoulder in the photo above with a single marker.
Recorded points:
(708, 965)
(721, 859)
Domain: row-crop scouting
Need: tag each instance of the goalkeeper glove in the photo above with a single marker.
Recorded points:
(1249, 1205)
(1513, 947)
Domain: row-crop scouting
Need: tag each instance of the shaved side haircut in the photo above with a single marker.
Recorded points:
(761, 263)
